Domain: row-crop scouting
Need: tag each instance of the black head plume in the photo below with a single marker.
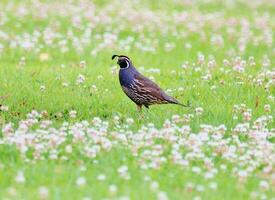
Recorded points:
(113, 57)
(120, 56)
(123, 61)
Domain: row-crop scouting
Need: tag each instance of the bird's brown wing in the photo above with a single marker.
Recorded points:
(150, 89)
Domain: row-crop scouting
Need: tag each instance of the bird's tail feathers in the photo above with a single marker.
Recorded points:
(174, 101)
(185, 105)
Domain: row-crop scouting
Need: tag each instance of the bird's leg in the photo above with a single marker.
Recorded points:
(147, 110)
(139, 108)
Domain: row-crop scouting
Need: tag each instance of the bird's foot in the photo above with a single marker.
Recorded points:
(140, 116)
(139, 108)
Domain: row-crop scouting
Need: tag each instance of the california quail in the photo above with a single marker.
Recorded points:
(138, 88)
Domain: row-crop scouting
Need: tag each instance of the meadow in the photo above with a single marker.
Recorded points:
(69, 132)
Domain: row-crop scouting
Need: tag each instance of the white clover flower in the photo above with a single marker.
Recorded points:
(184, 66)
(199, 111)
(42, 88)
(99, 77)
(96, 121)
(213, 185)
(208, 175)
(72, 113)
(197, 198)
(211, 64)
(221, 129)
(129, 121)
(53, 155)
(4, 108)
(68, 149)
(80, 79)
(101, 177)
(213, 87)
(116, 119)
(20, 178)
(161, 195)
(271, 98)
(22, 61)
(43, 192)
(83, 168)
(44, 57)
(93, 89)
(124, 198)
(175, 118)
(200, 188)
(112, 189)
(264, 185)
(123, 172)
(267, 108)
(188, 46)
(247, 116)
(223, 167)
(7, 129)
(82, 64)
(80, 181)
(201, 59)
(65, 84)
(196, 170)
(207, 77)
(242, 174)
(154, 186)
(146, 178)
(86, 198)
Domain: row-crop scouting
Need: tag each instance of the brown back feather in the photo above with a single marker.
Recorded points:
(150, 88)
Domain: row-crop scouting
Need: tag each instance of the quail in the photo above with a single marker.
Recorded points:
(141, 90)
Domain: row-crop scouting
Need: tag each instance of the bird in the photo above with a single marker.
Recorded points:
(140, 89)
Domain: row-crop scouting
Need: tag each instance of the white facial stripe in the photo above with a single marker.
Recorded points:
(125, 58)
(128, 64)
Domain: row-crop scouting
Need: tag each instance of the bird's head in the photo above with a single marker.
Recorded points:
(123, 61)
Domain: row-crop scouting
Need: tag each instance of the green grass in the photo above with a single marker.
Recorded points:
(20, 91)
(60, 178)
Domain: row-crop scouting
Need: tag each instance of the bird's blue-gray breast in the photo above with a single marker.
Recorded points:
(126, 76)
